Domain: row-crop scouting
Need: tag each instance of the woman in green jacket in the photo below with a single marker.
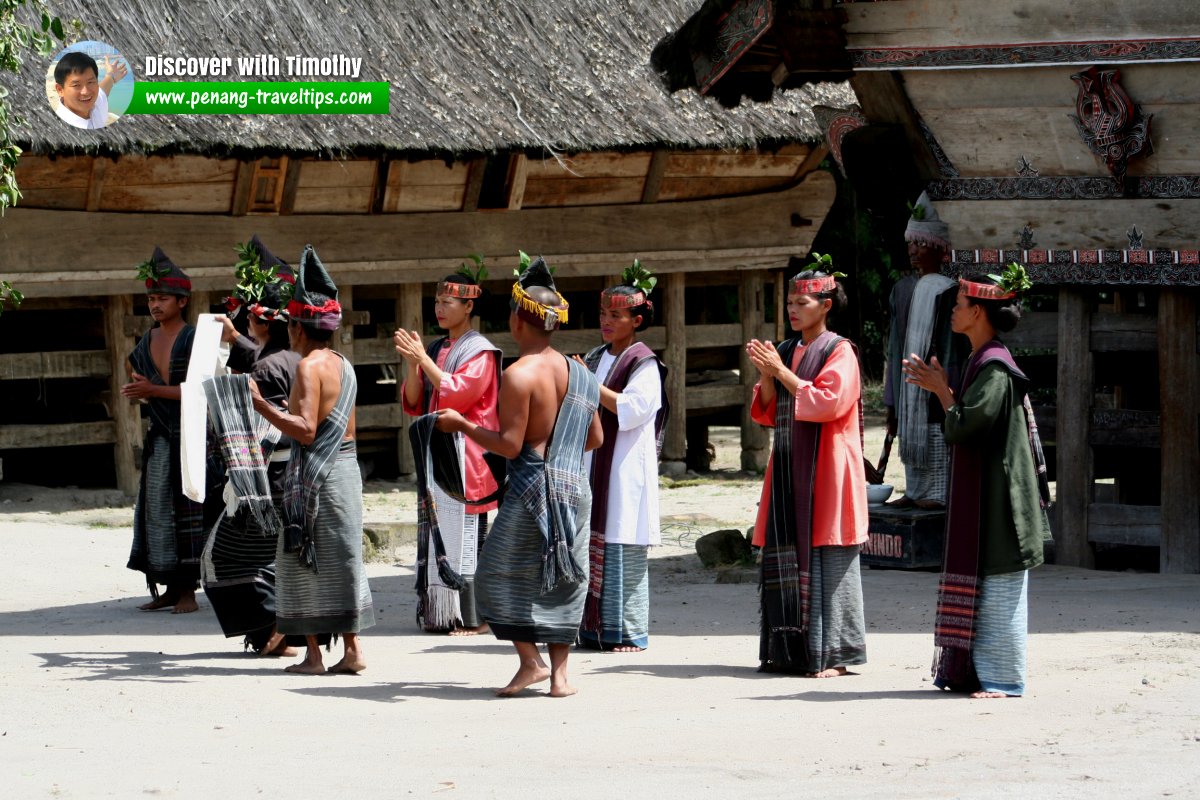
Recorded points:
(996, 519)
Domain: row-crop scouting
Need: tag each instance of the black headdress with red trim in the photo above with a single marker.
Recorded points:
(163, 276)
(315, 299)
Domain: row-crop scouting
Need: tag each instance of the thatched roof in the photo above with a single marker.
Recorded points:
(579, 69)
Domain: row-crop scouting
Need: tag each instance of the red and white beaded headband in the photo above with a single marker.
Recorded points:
(984, 291)
(812, 285)
(461, 291)
(618, 301)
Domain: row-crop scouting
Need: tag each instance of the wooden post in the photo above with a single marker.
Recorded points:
(345, 333)
(1179, 384)
(674, 450)
(408, 317)
(756, 442)
(1073, 451)
(781, 321)
(125, 413)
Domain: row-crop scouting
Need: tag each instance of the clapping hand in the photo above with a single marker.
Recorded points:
(409, 346)
(929, 376)
(764, 357)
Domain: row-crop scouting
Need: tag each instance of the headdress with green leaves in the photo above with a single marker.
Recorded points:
(636, 276)
(162, 276)
(1008, 284)
(819, 285)
(466, 291)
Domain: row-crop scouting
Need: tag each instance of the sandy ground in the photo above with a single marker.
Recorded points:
(98, 699)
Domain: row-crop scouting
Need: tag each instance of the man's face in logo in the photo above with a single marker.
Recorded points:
(79, 92)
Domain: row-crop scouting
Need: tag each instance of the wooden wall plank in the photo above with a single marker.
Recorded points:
(337, 174)
(201, 198)
(157, 170)
(699, 187)
(946, 23)
(64, 199)
(1179, 386)
(582, 192)
(733, 165)
(334, 200)
(55, 364)
(383, 415)
(591, 165)
(424, 198)
(1074, 224)
(20, 437)
(1073, 453)
(1113, 523)
(43, 172)
(714, 396)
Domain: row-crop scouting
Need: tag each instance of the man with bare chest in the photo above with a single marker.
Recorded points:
(168, 530)
(321, 584)
(531, 580)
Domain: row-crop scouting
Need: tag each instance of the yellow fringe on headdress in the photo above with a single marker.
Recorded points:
(523, 300)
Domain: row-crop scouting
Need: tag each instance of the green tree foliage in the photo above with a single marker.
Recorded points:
(25, 26)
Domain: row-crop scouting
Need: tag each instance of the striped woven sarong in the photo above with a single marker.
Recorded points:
(1000, 633)
(837, 635)
(531, 581)
(624, 599)
(335, 597)
(931, 481)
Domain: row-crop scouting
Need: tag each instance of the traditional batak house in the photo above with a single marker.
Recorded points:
(513, 126)
(1057, 134)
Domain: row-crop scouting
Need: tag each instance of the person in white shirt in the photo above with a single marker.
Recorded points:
(624, 470)
(83, 95)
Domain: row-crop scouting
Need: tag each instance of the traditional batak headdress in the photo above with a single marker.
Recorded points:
(925, 226)
(162, 276)
(819, 285)
(639, 278)
(536, 273)
(466, 291)
(1008, 284)
(312, 279)
(264, 282)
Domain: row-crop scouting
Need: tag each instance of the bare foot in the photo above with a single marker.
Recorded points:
(627, 648)
(349, 665)
(186, 605)
(277, 646)
(990, 695)
(307, 667)
(563, 689)
(162, 601)
(478, 629)
(526, 676)
(832, 672)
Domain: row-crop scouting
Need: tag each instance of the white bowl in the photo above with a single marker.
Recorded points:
(878, 493)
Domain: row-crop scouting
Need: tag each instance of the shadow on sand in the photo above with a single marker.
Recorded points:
(158, 667)
(401, 691)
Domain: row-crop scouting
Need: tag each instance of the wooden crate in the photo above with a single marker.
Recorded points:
(904, 538)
